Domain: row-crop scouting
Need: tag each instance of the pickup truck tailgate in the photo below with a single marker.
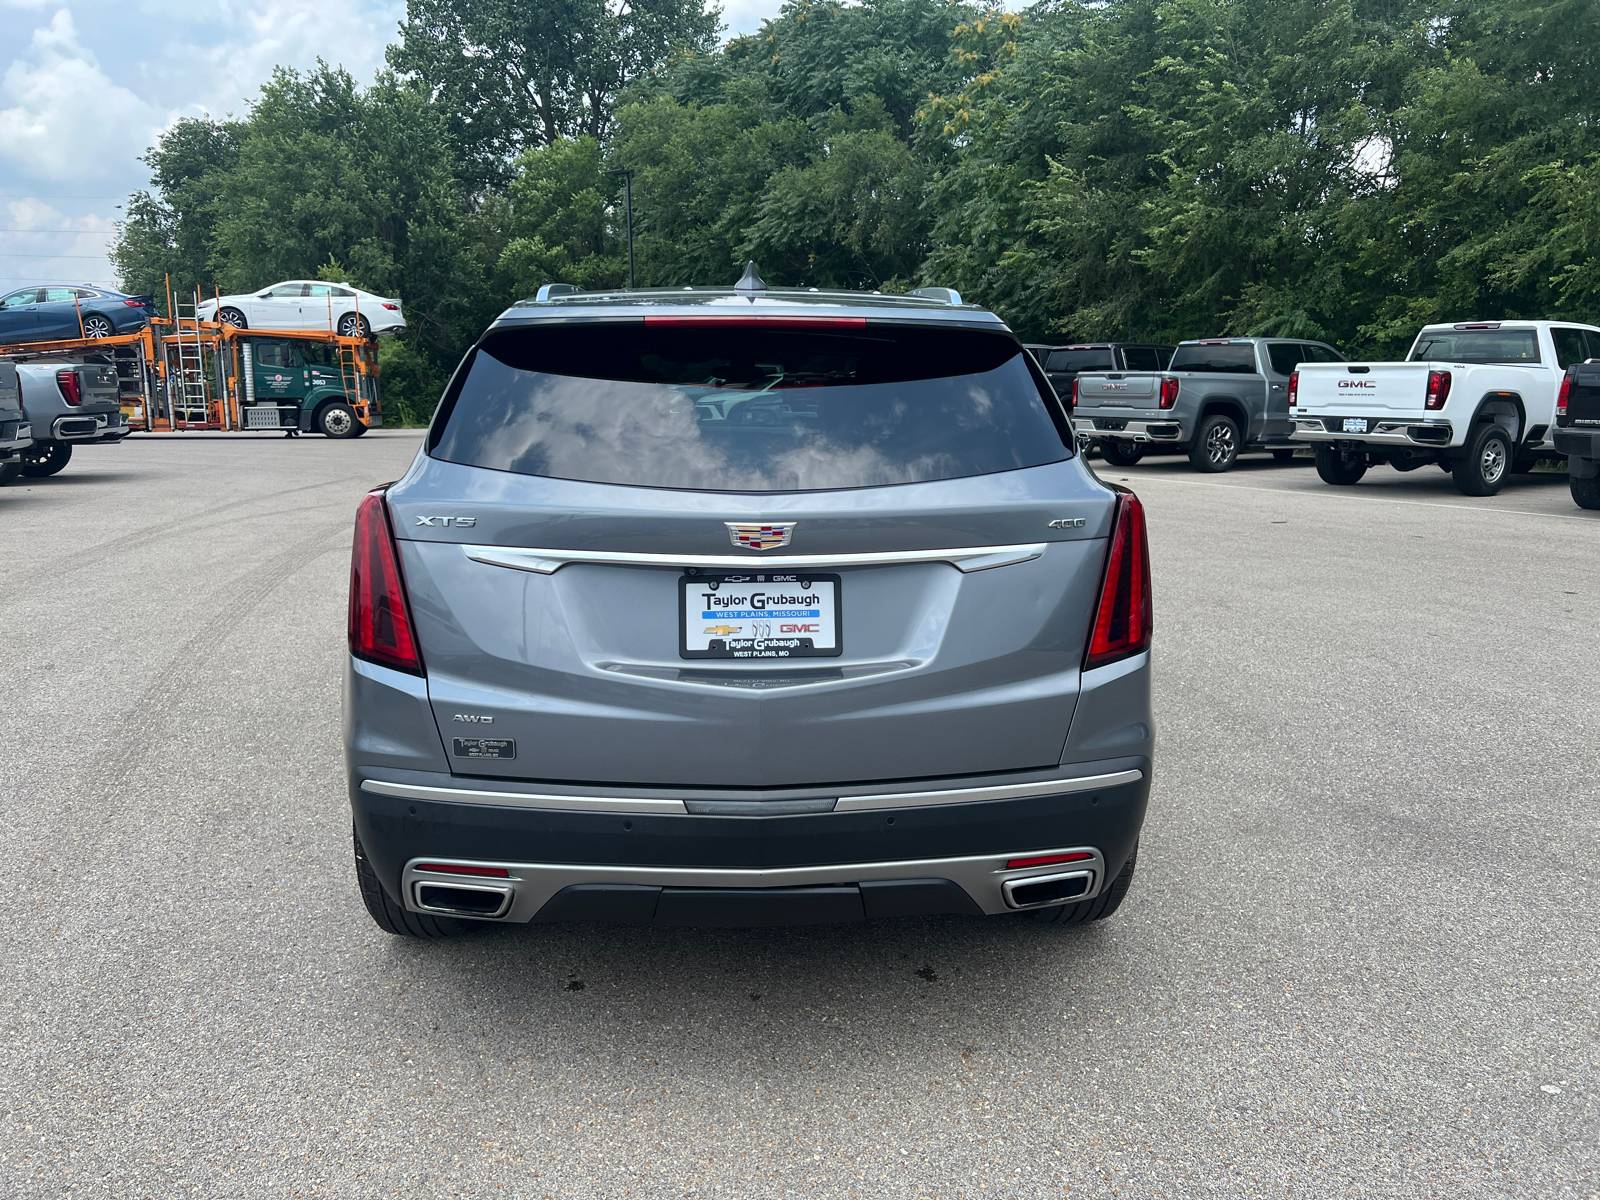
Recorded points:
(1117, 390)
(1363, 389)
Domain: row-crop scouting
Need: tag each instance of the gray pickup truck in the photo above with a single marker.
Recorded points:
(15, 436)
(1217, 399)
(67, 404)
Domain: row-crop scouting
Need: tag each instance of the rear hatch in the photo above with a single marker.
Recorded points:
(1380, 389)
(716, 663)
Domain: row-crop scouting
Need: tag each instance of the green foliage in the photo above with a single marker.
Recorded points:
(1150, 169)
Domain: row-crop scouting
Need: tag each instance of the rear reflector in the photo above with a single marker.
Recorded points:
(463, 869)
(380, 618)
(1045, 860)
(773, 322)
(71, 389)
(1122, 620)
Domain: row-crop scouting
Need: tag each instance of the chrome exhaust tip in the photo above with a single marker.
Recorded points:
(481, 900)
(1036, 891)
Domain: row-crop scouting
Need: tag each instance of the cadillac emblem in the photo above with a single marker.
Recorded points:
(760, 537)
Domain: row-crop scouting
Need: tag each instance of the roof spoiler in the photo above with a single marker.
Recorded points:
(941, 294)
(549, 291)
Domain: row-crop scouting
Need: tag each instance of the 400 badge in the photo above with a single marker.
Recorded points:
(760, 615)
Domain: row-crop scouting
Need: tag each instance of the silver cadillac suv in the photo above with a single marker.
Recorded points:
(747, 607)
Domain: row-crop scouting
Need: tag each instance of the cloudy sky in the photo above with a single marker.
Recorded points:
(88, 86)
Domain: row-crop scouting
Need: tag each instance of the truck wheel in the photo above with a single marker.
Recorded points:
(1216, 444)
(338, 420)
(1119, 453)
(9, 471)
(45, 458)
(1098, 909)
(1485, 462)
(390, 917)
(1336, 469)
(1585, 492)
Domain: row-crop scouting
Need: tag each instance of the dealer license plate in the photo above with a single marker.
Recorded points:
(760, 615)
(1355, 424)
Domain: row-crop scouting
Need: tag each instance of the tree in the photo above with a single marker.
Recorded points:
(518, 74)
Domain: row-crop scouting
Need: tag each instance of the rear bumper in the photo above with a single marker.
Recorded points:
(1157, 429)
(19, 439)
(1578, 443)
(89, 427)
(796, 868)
(1433, 435)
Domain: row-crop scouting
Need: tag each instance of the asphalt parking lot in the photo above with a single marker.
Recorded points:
(1358, 959)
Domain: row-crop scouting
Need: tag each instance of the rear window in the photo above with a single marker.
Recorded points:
(1477, 346)
(749, 408)
(1226, 360)
(1080, 360)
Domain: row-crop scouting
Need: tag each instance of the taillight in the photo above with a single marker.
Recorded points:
(1294, 389)
(1169, 392)
(134, 303)
(380, 619)
(71, 388)
(391, 307)
(1561, 396)
(1122, 619)
(1438, 388)
(1074, 392)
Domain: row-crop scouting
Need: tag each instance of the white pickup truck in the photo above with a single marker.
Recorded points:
(1476, 398)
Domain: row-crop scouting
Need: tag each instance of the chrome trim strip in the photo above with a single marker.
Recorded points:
(1048, 787)
(625, 804)
(547, 562)
(982, 877)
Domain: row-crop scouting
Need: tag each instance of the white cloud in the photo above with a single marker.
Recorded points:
(69, 120)
(40, 243)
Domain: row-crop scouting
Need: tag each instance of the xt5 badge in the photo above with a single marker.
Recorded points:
(458, 522)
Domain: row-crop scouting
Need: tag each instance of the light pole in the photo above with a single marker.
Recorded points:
(627, 193)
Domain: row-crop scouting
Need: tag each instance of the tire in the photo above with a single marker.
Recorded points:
(43, 459)
(1120, 454)
(1216, 444)
(337, 420)
(232, 316)
(1283, 456)
(1585, 492)
(361, 430)
(389, 916)
(1485, 462)
(1334, 468)
(9, 472)
(1098, 909)
(354, 325)
(97, 326)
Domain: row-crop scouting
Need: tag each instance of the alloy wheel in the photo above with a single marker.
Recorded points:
(97, 327)
(1219, 443)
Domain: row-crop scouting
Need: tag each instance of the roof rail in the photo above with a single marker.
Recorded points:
(549, 290)
(943, 295)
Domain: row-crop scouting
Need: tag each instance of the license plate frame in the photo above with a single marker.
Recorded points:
(782, 646)
(1357, 425)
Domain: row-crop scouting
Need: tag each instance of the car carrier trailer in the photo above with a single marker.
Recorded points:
(181, 374)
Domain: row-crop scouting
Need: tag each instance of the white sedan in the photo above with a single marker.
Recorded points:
(308, 304)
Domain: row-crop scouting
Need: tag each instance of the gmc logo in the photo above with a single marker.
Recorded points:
(1361, 383)
(799, 629)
